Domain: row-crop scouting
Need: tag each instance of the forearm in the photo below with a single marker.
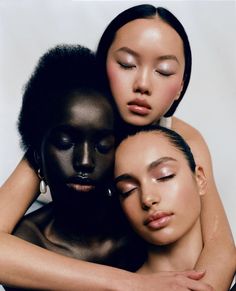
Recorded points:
(25, 265)
(218, 256)
(16, 195)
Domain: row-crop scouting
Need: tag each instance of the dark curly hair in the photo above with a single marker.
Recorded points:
(61, 71)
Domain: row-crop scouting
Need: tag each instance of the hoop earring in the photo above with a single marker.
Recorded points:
(42, 185)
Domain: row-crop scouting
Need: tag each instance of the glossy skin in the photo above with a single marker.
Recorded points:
(77, 157)
(78, 151)
(145, 66)
(160, 196)
(219, 248)
(159, 193)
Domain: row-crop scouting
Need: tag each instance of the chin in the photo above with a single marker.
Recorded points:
(137, 120)
(163, 239)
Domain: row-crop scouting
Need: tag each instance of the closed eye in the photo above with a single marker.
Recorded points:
(126, 66)
(166, 178)
(164, 73)
(126, 193)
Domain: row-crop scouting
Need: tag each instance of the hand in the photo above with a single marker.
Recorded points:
(166, 281)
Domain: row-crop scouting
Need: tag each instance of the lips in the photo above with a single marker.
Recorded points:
(81, 184)
(158, 220)
(139, 106)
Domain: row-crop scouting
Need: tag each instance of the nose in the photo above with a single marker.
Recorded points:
(83, 158)
(149, 197)
(143, 83)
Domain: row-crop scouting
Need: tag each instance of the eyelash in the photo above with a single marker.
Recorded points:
(127, 193)
(164, 74)
(166, 178)
(126, 66)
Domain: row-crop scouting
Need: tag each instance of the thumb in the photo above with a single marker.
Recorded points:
(195, 275)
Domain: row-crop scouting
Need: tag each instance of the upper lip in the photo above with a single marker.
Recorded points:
(82, 180)
(157, 215)
(140, 102)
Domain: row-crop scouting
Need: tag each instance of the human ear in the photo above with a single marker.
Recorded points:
(201, 180)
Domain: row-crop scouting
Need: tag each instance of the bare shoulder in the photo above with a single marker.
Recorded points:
(187, 131)
(196, 141)
(31, 226)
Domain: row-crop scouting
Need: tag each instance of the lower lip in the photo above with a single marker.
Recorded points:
(159, 223)
(140, 110)
(81, 188)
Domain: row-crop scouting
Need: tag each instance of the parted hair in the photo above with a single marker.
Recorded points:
(145, 11)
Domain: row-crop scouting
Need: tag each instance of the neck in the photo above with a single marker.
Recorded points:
(85, 220)
(178, 256)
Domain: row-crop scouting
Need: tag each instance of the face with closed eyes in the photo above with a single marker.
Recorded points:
(145, 66)
(158, 191)
(77, 152)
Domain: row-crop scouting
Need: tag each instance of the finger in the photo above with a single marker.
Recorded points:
(195, 275)
(198, 286)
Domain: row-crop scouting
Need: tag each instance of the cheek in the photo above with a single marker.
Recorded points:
(186, 200)
(56, 164)
(117, 80)
(113, 77)
(171, 89)
(104, 165)
(132, 209)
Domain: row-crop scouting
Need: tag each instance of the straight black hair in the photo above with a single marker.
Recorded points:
(140, 12)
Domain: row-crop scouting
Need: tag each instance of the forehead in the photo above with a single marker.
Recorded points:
(85, 109)
(152, 30)
(144, 148)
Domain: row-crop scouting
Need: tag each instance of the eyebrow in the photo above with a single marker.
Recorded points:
(123, 177)
(161, 58)
(153, 165)
(128, 50)
(160, 161)
(168, 57)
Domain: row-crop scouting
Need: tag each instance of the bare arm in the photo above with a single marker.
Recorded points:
(218, 256)
(23, 264)
(16, 195)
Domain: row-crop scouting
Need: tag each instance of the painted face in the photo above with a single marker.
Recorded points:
(78, 150)
(159, 193)
(145, 66)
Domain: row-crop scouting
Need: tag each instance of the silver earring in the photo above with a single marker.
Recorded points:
(42, 185)
(109, 192)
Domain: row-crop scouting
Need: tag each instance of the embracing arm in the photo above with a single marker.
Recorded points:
(218, 256)
(16, 195)
(23, 264)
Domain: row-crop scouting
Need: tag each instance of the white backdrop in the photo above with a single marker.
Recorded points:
(29, 27)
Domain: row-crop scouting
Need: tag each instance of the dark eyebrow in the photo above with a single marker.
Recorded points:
(161, 58)
(128, 50)
(168, 57)
(123, 178)
(153, 165)
(159, 162)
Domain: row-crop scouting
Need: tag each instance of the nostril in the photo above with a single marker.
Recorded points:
(145, 207)
(143, 91)
(83, 167)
